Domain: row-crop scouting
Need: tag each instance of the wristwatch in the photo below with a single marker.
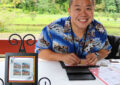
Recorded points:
(98, 55)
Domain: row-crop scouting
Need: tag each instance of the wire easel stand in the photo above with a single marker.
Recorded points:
(22, 46)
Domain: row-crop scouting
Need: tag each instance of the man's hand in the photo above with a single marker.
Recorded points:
(91, 59)
(70, 59)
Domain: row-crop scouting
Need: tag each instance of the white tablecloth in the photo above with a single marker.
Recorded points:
(55, 73)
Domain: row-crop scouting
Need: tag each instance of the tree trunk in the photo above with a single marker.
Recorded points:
(106, 9)
(117, 6)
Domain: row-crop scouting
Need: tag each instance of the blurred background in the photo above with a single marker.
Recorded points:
(30, 16)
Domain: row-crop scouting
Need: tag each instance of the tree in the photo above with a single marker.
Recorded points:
(117, 5)
(98, 1)
(106, 6)
(54, 1)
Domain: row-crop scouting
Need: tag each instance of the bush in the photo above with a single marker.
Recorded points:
(44, 6)
(100, 7)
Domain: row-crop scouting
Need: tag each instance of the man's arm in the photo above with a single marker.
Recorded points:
(102, 54)
(92, 58)
(69, 58)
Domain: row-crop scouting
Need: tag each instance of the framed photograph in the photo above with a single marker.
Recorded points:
(21, 68)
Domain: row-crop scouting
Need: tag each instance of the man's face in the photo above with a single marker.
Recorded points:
(81, 13)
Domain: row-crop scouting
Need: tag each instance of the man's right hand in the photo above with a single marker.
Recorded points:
(70, 59)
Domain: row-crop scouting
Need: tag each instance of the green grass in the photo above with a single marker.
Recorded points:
(113, 31)
(109, 23)
(27, 19)
(112, 26)
(24, 29)
(38, 19)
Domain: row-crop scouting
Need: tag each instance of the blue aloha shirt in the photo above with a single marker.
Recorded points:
(59, 37)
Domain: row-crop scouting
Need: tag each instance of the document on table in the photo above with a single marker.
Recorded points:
(2, 69)
(109, 75)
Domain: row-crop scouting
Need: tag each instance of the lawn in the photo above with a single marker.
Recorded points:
(25, 22)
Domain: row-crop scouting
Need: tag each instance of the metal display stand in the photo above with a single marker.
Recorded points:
(21, 68)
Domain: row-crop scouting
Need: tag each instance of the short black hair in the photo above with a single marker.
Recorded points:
(70, 2)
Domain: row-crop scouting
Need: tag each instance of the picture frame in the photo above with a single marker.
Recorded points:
(21, 69)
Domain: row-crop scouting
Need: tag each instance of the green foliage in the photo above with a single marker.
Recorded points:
(42, 6)
(46, 6)
(111, 6)
(108, 5)
(58, 6)
(100, 7)
(29, 5)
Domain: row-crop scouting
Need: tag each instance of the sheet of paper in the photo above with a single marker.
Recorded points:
(109, 75)
(2, 69)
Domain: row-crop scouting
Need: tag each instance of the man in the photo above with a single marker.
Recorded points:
(74, 38)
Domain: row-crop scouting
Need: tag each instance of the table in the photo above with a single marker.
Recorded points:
(55, 73)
